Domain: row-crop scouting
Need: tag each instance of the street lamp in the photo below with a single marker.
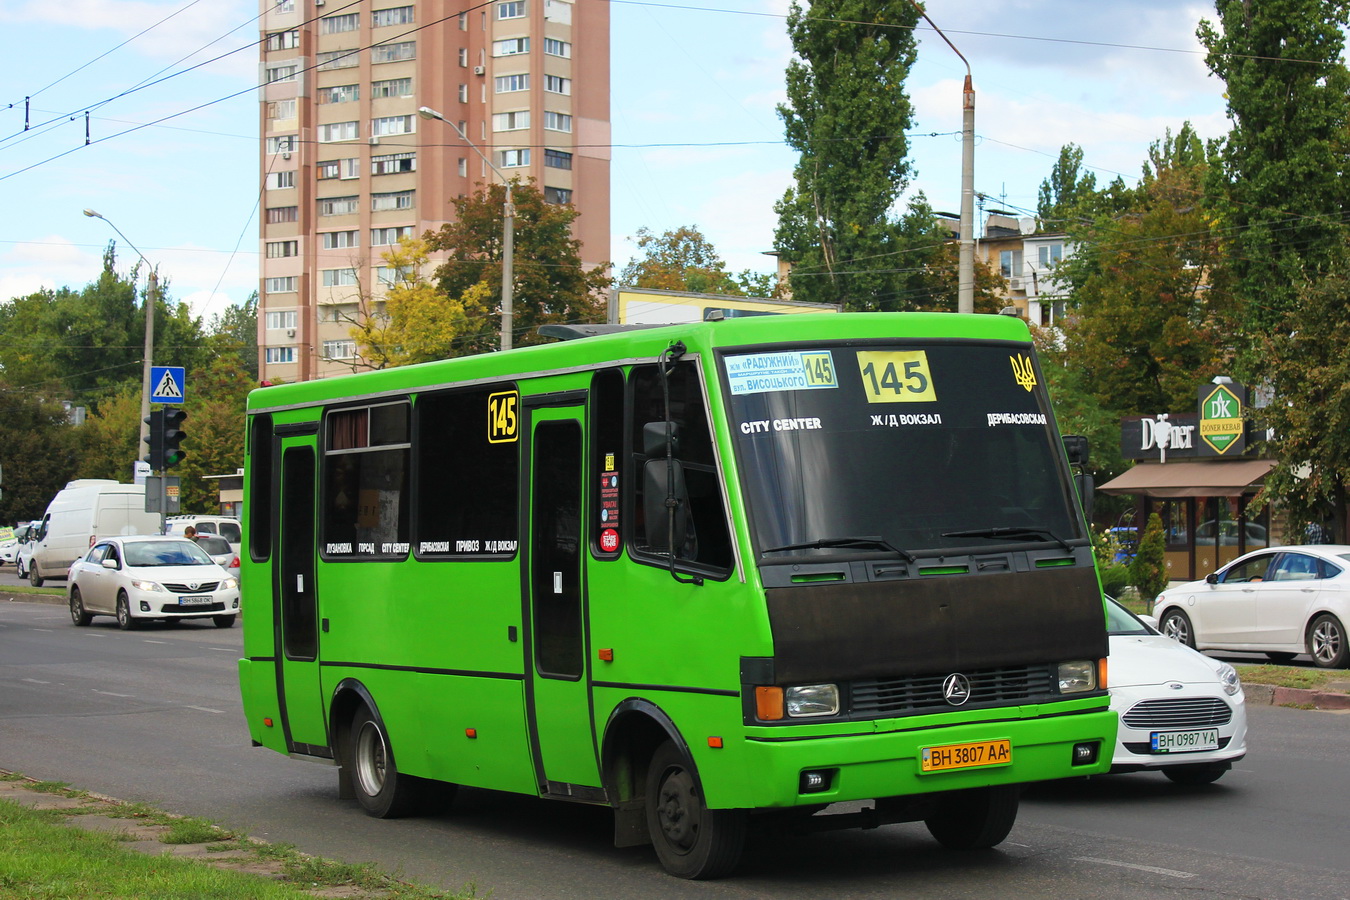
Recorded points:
(508, 227)
(151, 296)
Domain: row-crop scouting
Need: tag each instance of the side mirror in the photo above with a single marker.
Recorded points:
(110, 564)
(1212, 578)
(662, 479)
(1076, 448)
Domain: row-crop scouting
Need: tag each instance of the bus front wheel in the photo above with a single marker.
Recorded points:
(974, 819)
(380, 788)
(691, 840)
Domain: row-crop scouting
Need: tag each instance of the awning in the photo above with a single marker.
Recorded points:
(1192, 478)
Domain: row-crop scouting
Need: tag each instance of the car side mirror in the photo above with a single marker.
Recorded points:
(110, 564)
(1212, 578)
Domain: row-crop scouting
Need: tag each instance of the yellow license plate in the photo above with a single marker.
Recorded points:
(966, 756)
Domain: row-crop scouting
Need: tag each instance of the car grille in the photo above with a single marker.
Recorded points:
(174, 608)
(893, 696)
(206, 588)
(1183, 712)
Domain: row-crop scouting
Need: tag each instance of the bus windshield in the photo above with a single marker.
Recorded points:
(897, 449)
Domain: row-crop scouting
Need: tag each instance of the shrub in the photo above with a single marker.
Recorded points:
(1148, 570)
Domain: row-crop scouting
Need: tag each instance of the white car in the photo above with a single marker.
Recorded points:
(1180, 712)
(1280, 601)
(220, 551)
(151, 577)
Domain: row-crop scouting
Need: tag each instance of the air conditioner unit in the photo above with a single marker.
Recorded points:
(374, 140)
(290, 332)
(1015, 283)
(479, 70)
(318, 2)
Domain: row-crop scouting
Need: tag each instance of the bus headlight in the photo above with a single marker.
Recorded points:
(809, 700)
(1077, 676)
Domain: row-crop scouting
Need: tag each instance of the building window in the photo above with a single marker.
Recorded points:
(514, 158)
(393, 163)
(391, 87)
(558, 11)
(277, 180)
(511, 121)
(338, 131)
(462, 167)
(1010, 263)
(513, 9)
(339, 24)
(506, 84)
(338, 206)
(280, 354)
(556, 121)
(383, 53)
(557, 84)
(397, 15)
(285, 142)
(282, 249)
(283, 40)
(276, 215)
(557, 159)
(338, 277)
(383, 237)
(555, 47)
(1050, 255)
(339, 349)
(283, 285)
(393, 200)
(338, 168)
(391, 125)
(337, 59)
(390, 275)
(284, 318)
(511, 46)
(560, 196)
(338, 240)
(284, 6)
(463, 21)
(463, 57)
(281, 109)
(463, 93)
(342, 93)
(274, 74)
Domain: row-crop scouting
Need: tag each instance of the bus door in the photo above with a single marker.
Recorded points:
(295, 601)
(557, 686)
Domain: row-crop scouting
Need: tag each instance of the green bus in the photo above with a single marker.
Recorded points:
(715, 576)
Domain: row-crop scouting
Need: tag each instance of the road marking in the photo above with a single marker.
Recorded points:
(111, 694)
(94, 634)
(224, 649)
(219, 712)
(45, 630)
(1124, 865)
(35, 681)
(148, 641)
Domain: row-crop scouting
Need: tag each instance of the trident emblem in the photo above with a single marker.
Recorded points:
(1023, 372)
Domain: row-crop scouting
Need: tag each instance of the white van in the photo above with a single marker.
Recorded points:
(81, 513)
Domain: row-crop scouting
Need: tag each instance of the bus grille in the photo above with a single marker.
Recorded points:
(1183, 712)
(988, 687)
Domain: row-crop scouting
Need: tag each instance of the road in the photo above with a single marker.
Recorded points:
(154, 715)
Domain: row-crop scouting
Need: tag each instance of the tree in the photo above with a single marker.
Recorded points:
(679, 260)
(550, 284)
(236, 331)
(1281, 168)
(1148, 570)
(39, 455)
(846, 115)
(109, 441)
(1066, 190)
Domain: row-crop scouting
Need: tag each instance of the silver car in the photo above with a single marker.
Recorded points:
(151, 577)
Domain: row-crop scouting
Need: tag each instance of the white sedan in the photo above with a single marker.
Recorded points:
(1180, 712)
(1280, 601)
(151, 577)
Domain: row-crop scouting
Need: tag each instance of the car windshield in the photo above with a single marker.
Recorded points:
(1120, 620)
(915, 446)
(165, 553)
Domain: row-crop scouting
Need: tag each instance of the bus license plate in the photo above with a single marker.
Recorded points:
(966, 756)
(194, 601)
(1184, 741)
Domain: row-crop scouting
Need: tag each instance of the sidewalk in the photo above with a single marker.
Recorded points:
(1335, 695)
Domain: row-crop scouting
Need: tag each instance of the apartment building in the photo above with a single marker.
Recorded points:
(348, 167)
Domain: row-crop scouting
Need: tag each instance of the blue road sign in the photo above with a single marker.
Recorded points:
(168, 384)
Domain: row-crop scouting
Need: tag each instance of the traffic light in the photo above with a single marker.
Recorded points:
(155, 438)
(173, 435)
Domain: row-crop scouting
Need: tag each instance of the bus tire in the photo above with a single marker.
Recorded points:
(380, 788)
(691, 840)
(974, 819)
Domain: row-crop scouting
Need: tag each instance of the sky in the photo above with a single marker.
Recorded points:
(171, 158)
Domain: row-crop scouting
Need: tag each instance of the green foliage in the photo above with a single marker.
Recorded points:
(683, 260)
(39, 453)
(1148, 570)
(550, 284)
(1066, 191)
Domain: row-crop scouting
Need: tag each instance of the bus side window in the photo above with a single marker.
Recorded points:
(606, 425)
(365, 496)
(708, 540)
(259, 506)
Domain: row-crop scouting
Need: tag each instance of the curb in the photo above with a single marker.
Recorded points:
(1270, 695)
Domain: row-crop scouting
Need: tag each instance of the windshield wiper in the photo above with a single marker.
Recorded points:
(1013, 531)
(878, 543)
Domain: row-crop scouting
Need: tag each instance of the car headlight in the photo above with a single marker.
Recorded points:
(811, 700)
(1228, 677)
(147, 586)
(229, 584)
(1077, 676)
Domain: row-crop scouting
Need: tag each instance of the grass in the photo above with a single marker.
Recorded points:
(1291, 676)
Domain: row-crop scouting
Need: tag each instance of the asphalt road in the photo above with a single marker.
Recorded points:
(154, 715)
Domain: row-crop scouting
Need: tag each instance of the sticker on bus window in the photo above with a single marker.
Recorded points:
(758, 373)
(609, 506)
(896, 376)
(503, 420)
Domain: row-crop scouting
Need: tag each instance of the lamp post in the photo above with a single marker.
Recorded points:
(508, 227)
(151, 296)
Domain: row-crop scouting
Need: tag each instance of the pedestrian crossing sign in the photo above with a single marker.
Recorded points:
(168, 384)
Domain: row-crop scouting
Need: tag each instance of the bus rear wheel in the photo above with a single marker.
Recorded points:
(974, 819)
(380, 788)
(691, 840)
